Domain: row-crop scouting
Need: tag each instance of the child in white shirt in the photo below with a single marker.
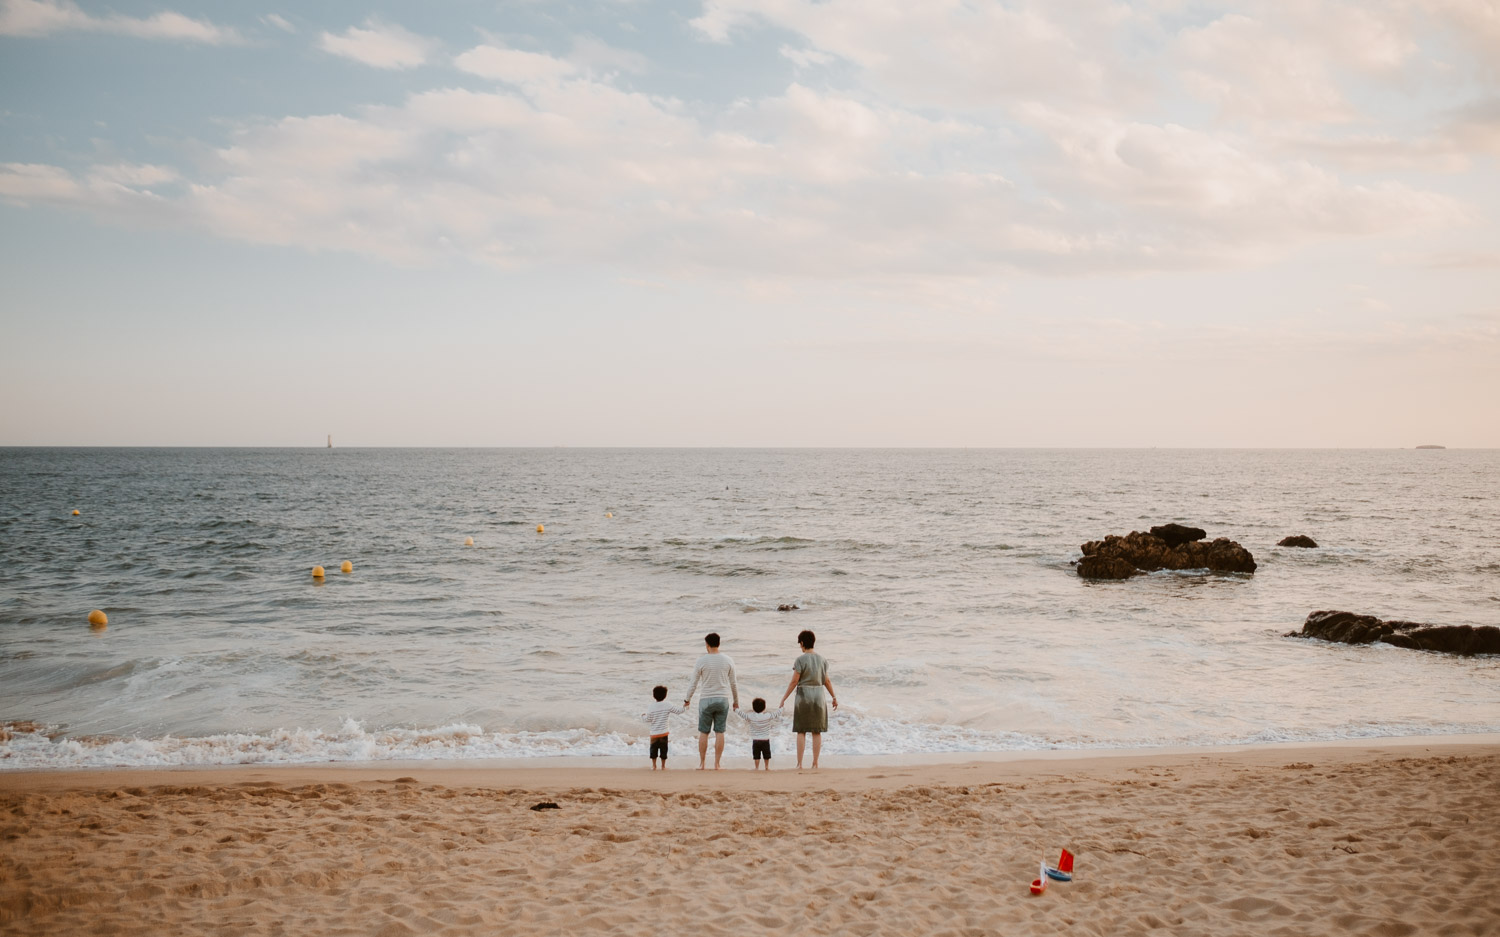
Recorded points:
(760, 723)
(657, 717)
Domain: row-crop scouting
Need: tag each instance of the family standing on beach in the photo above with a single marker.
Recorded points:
(714, 674)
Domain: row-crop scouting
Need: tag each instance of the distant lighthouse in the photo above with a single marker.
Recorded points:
(330, 440)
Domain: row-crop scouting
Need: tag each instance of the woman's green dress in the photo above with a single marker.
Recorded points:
(810, 709)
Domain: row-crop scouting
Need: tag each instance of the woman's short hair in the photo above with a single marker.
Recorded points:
(807, 639)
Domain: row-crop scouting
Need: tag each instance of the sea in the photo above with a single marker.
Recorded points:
(939, 583)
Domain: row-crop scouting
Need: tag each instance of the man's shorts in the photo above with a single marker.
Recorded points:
(659, 747)
(713, 714)
(760, 748)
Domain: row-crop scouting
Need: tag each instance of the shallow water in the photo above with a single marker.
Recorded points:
(938, 582)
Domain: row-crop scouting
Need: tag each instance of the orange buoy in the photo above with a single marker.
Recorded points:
(540, 529)
(98, 620)
(348, 567)
(317, 572)
(75, 512)
(468, 541)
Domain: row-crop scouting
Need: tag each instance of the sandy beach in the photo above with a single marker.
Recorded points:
(1390, 838)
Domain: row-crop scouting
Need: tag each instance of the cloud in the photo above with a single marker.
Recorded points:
(37, 182)
(280, 22)
(1248, 69)
(1022, 147)
(556, 166)
(806, 58)
(954, 54)
(379, 45)
(1475, 23)
(1222, 189)
(122, 192)
(513, 65)
(1289, 62)
(47, 17)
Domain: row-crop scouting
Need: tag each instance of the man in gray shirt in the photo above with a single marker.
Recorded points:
(716, 672)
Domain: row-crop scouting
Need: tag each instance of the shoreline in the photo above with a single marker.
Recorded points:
(630, 772)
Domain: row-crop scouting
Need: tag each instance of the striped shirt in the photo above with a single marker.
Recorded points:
(716, 673)
(657, 716)
(760, 723)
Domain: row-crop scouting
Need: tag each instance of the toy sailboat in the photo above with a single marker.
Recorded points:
(1064, 870)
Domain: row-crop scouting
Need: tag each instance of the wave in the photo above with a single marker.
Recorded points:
(30, 746)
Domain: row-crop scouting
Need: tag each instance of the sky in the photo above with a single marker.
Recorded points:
(750, 223)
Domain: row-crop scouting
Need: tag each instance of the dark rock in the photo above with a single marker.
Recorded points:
(1105, 567)
(1297, 541)
(1176, 534)
(786, 608)
(1143, 552)
(1349, 628)
(545, 805)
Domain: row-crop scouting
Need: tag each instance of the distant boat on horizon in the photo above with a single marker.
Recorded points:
(1419, 447)
(330, 442)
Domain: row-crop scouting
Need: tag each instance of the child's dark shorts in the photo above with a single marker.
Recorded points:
(659, 747)
(760, 748)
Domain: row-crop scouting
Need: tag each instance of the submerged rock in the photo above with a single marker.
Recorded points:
(1298, 541)
(1117, 557)
(1350, 628)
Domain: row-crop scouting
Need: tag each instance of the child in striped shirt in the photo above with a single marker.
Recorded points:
(760, 723)
(657, 717)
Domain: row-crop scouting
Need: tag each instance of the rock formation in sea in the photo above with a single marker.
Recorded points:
(1171, 546)
(1176, 534)
(1297, 541)
(1350, 628)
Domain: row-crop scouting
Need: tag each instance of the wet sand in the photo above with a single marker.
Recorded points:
(1381, 838)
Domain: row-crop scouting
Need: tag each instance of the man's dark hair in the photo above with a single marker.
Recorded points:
(758, 704)
(807, 639)
(711, 639)
(660, 692)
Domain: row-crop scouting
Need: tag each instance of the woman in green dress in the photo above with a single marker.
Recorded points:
(810, 682)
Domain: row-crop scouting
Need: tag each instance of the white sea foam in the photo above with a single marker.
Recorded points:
(849, 734)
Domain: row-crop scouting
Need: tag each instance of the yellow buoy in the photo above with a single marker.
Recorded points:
(348, 567)
(540, 529)
(97, 619)
(75, 512)
(317, 572)
(609, 514)
(468, 541)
